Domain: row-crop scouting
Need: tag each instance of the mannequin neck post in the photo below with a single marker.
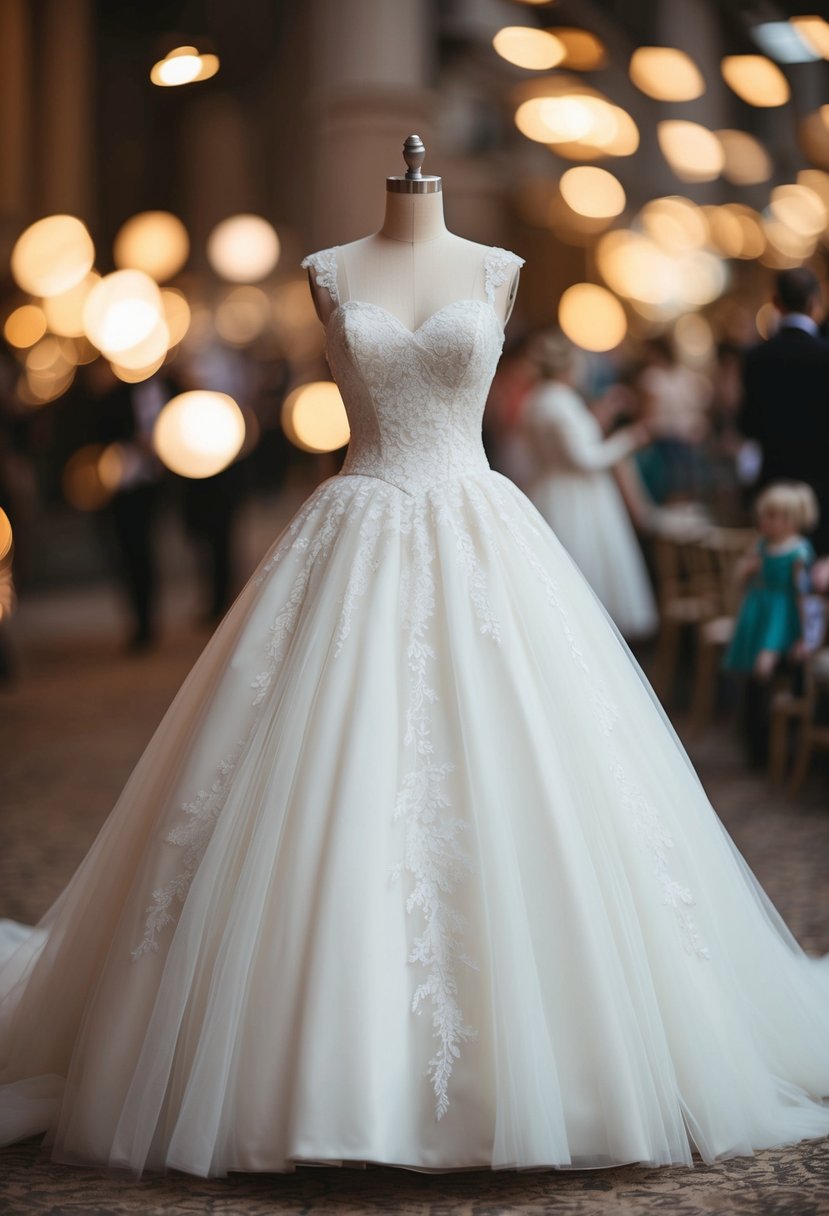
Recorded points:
(413, 218)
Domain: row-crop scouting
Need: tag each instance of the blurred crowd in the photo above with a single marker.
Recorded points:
(694, 496)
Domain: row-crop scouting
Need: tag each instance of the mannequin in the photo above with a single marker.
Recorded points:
(414, 266)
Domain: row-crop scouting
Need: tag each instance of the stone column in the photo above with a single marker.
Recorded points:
(15, 120)
(369, 90)
(65, 87)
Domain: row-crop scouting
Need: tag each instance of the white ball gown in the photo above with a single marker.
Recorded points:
(575, 491)
(413, 870)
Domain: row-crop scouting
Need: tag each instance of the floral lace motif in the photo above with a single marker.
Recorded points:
(498, 266)
(434, 852)
(324, 266)
(193, 835)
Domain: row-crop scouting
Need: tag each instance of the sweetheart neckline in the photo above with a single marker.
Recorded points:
(414, 332)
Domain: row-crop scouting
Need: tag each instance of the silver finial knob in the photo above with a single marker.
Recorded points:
(414, 152)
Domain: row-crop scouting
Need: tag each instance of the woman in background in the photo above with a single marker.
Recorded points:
(575, 490)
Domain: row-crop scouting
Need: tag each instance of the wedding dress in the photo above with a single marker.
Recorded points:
(413, 870)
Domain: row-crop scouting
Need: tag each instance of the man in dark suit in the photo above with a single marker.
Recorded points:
(785, 405)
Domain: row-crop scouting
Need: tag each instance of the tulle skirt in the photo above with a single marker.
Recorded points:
(413, 871)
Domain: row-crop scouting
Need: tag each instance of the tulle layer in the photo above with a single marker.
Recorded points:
(413, 871)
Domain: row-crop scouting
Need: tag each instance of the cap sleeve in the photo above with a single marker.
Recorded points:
(324, 266)
(499, 265)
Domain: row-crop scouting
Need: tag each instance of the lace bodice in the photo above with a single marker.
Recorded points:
(414, 399)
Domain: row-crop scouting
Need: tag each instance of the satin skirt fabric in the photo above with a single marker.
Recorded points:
(413, 871)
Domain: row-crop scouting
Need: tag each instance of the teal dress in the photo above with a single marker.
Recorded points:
(769, 618)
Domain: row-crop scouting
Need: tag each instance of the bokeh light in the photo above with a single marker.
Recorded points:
(6, 536)
(693, 152)
(583, 51)
(529, 48)
(81, 481)
(243, 248)
(675, 223)
(153, 241)
(815, 32)
(64, 313)
(184, 65)
(694, 338)
(746, 161)
(199, 433)
(242, 315)
(592, 192)
(813, 132)
(666, 73)
(592, 317)
(295, 321)
(314, 417)
(756, 80)
(176, 314)
(799, 208)
(25, 326)
(52, 255)
(121, 311)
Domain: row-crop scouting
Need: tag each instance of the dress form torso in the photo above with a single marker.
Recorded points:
(413, 267)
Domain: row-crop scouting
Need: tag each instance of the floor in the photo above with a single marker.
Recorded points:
(73, 723)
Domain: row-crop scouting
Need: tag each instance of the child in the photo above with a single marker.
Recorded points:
(770, 621)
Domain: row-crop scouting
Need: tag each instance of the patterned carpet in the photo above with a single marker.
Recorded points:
(73, 724)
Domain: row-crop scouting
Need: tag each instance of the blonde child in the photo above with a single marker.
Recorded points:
(770, 621)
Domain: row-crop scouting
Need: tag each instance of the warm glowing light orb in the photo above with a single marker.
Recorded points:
(242, 316)
(592, 192)
(592, 317)
(815, 32)
(528, 48)
(314, 417)
(295, 321)
(583, 51)
(6, 536)
(25, 326)
(64, 313)
(122, 311)
(153, 241)
(694, 338)
(799, 208)
(52, 255)
(755, 79)
(666, 73)
(184, 65)
(81, 482)
(243, 248)
(199, 433)
(746, 160)
(693, 152)
(675, 223)
(176, 313)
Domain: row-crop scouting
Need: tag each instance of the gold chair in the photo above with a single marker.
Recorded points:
(720, 551)
(813, 734)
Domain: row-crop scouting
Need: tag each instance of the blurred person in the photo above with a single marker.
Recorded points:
(785, 400)
(125, 415)
(674, 403)
(770, 623)
(575, 490)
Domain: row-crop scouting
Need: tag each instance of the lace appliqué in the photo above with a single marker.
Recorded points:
(193, 835)
(499, 264)
(324, 266)
(434, 852)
